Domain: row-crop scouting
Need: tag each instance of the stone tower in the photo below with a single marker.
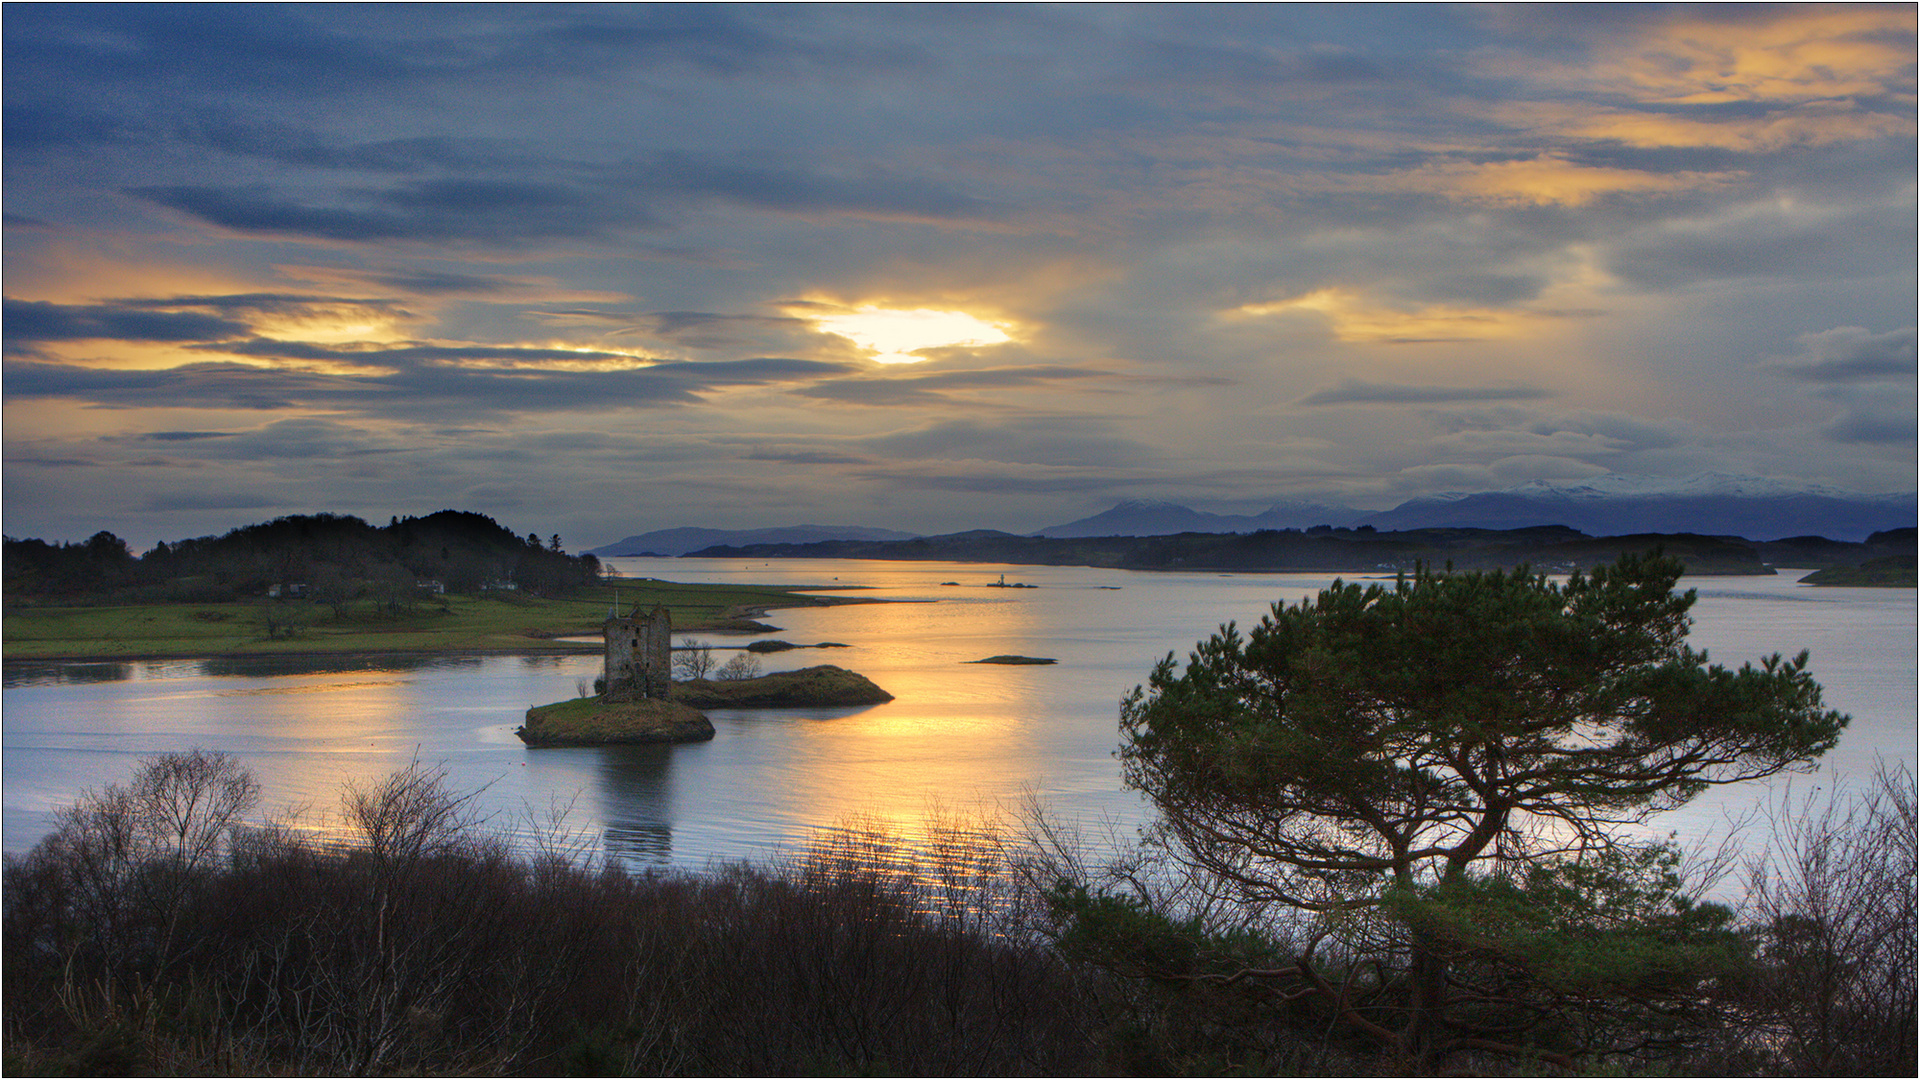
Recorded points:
(639, 657)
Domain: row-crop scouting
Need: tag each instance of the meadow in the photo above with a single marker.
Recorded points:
(497, 621)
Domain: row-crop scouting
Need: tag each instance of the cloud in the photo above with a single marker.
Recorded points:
(549, 249)
(1777, 239)
(184, 436)
(1787, 54)
(210, 500)
(1356, 318)
(1519, 469)
(1053, 441)
(1813, 123)
(1357, 391)
(1864, 425)
(1851, 354)
(1872, 415)
(1546, 180)
(35, 321)
(413, 390)
(938, 388)
(1444, 477)
(468, 210)
(805, 457)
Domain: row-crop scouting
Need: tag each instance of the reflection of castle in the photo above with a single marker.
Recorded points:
(639, 663)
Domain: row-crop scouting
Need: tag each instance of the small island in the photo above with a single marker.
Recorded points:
(591, 721)
(640, 703)
(1891, 572)
(1014, 660)
(822, 685)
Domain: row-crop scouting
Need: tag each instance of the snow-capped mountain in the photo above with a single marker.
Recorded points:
(1713, 504)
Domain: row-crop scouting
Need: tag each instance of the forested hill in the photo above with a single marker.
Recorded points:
(325, 553)
(1550, 547)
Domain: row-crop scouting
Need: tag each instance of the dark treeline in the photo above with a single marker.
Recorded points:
(331, 557)
(154, 934)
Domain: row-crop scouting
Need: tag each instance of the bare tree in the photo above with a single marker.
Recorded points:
(693, 661)
(1834, 898)
(742, 665)
(132, 854)
(409, 816)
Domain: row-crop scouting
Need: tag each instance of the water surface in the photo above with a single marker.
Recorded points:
(959, 738)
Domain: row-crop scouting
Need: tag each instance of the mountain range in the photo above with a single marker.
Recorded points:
(1710, 504)
(1137, 517)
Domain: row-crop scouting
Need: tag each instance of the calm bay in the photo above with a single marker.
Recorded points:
(960, 738)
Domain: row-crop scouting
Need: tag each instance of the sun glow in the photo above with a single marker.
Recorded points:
(901, 336)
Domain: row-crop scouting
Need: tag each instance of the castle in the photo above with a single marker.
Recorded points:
(639, 655)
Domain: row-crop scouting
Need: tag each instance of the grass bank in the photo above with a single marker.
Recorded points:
(494, 622)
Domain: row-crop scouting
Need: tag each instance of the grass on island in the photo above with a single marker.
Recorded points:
(594, 721)
(822, 685)
(497, 622)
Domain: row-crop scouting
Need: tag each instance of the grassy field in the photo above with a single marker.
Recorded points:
(496, 623)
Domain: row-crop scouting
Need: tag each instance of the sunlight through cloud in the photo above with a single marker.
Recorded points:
(899, 336)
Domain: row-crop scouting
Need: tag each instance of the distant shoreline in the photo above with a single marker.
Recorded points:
(219, 642)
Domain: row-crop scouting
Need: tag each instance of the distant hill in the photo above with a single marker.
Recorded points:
(676, 542)
(1138, 517)
(1711, 504)
(1554, 548)
(332, 558)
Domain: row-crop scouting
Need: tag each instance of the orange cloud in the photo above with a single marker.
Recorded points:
(1795, 54)
(1353, 319)
(1544, 180)
(1783, 55)
(1819, 123)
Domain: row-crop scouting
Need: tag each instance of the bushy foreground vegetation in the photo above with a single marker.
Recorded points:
(159, 931)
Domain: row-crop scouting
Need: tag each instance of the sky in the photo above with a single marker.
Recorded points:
(600, 270)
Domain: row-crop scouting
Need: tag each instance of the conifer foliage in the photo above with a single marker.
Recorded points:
(1443, 767)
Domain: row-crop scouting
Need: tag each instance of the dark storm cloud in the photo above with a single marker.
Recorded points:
(1848, 354)
(1356, 391)
(31, 321)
